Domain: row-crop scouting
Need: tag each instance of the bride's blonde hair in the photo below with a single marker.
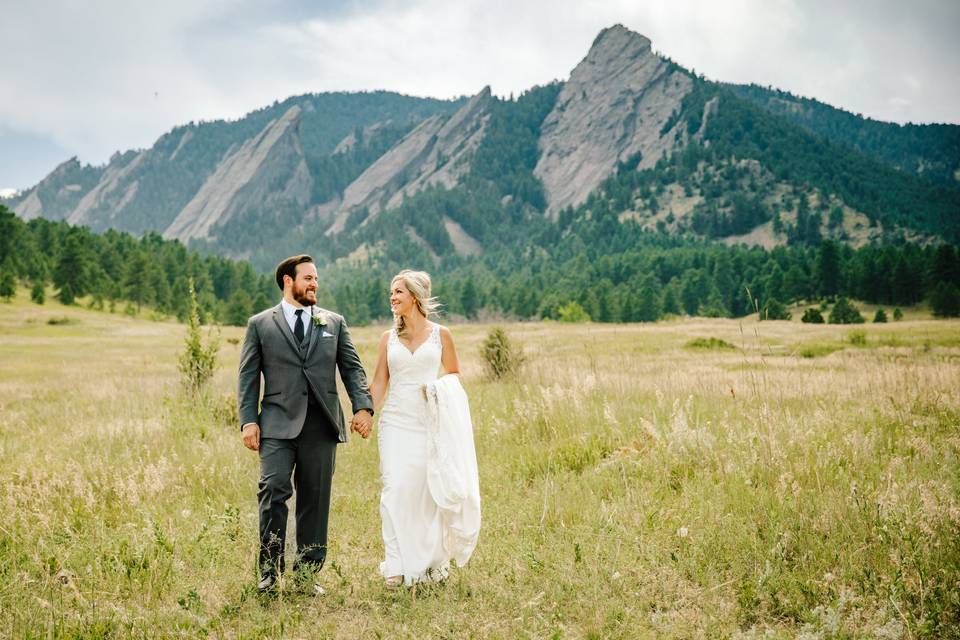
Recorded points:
(419, 285)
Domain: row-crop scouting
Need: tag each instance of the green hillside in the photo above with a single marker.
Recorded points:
(931, 151)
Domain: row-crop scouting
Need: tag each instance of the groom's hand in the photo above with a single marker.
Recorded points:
(362, 423)
(251, 436)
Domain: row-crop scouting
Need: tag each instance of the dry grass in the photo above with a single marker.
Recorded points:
(632, 487)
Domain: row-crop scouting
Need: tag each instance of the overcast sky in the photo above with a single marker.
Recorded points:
(89, 78)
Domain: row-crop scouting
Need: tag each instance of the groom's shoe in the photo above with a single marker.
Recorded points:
(267, 583)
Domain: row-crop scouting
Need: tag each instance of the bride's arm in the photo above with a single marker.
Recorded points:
(448, 359)
(381, 375)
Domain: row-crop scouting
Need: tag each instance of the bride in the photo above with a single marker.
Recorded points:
(419, 537)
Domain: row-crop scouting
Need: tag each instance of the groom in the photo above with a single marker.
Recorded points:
(298, 348)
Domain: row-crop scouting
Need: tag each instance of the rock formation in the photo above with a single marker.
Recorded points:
(613, 107)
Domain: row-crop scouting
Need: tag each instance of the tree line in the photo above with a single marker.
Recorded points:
(579, 272)
(115, 268)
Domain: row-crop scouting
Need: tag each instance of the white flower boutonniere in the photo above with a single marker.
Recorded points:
(319, 319)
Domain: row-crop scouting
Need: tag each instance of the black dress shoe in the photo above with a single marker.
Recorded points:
(267, 583)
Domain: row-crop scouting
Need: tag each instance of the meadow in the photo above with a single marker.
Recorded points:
(695, 478)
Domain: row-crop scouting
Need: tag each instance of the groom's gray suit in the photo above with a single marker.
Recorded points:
(300, 421)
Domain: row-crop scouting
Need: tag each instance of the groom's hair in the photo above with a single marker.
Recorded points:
(289, 267)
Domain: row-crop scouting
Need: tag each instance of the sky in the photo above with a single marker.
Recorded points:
(91, 78)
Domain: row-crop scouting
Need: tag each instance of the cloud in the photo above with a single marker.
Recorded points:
(94, 78)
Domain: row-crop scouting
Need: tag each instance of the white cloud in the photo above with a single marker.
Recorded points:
(98, 77)
(8, 192)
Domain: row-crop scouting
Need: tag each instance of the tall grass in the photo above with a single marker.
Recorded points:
(632, 487)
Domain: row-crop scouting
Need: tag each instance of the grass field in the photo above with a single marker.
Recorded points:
(687, 479)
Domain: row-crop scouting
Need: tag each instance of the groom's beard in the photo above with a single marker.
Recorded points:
(306, 296)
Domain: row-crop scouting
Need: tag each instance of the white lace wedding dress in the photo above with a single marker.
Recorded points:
(413, 535)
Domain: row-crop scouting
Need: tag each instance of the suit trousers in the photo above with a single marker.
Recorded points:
(310, 459)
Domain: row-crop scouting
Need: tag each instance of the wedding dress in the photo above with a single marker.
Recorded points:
(419, 536)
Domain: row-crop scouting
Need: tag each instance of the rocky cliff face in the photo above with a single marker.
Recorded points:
(62, 191)
(614, 106)
(435, 153)
(201, 178)
(267, 171)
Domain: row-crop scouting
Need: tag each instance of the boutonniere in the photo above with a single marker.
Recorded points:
(319, 319)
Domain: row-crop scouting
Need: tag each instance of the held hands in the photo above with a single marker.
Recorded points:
(362, 423)
(251, 436)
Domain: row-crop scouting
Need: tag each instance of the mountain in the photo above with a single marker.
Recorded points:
(205, 174)
(631, 142)
(931, 151)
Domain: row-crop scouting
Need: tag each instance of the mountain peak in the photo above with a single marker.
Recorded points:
(613, 108)
(618, 42)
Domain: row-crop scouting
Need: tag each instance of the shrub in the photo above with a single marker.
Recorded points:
(709, 343)
(818, 349)
(880, 316)
(812, 316)
(198, 361)
(61, 320)
(8, 283)
(38, 293)
(501, 357)
(897, 314)
(573, 312)
(857, 338)
(774, 310)
(845, 313)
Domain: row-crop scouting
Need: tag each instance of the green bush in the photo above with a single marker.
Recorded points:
(844, 312)
(198, 362)
(774, 310)
(812, 316)
(38, 293)
(880, 316)
(501, 357)
(8, 283)
(573, 312)
(709, 343)
(897, 315)
(857, 338)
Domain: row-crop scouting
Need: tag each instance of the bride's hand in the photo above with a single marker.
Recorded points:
(362, 422)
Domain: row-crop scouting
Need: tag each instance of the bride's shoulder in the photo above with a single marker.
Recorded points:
(386, 335)
(442, 331)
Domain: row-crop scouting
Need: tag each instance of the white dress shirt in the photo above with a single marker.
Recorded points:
(290, 315)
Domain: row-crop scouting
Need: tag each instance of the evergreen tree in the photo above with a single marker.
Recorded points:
(8, 280)
(945, 300)
(774, 310)
(828, 269)
(469, 299)
(73, 270)
(670, 303)
(38, 292)
(946, 265)
(135, 279)
(648, 309)
(812, 315)
(844, 312)
(238, 309)
(880, 316)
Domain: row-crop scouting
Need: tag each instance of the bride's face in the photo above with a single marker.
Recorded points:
(402, 301)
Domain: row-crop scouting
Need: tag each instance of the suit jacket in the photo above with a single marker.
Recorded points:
(292, 373)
